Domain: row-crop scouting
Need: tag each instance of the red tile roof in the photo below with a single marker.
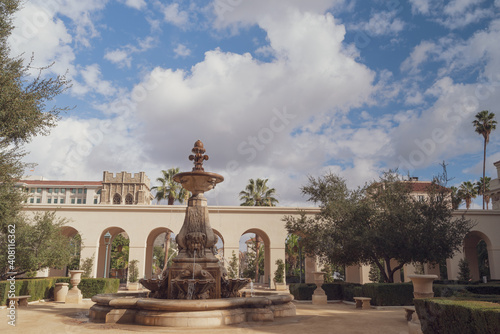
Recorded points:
(61, 183)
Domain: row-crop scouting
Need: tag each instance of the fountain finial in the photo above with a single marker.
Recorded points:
(198, 156)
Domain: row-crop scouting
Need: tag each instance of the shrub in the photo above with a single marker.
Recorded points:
(385, 294)
(86, 266)
(302, 291)
(463, 270)
(94, 286)
(279, 274)
(133, 275)
(445, 316)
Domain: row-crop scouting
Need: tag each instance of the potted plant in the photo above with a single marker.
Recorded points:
(279, 275)
(133, 275)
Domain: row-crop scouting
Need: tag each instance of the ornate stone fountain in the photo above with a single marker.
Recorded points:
(194, 291)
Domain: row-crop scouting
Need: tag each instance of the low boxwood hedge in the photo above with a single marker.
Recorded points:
(451, 316)
(43, 288)
(393, 294)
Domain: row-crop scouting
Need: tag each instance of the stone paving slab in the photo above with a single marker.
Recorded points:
(54, 318)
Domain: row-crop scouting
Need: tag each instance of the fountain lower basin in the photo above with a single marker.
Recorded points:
(138, 309)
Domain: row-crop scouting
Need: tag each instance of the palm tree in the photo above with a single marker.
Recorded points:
(484, 124)
(467, 191)
(455, 198)
(257, 193)
(169, 189)
(484, 186)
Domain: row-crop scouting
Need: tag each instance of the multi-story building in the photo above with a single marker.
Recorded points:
(47, 192)
(120, 189)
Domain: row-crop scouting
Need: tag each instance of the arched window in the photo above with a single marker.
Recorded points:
(129, 199)
(117, 199)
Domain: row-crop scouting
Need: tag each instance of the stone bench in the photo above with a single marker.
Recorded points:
(362, 302)
(19, 300)
(409, 310)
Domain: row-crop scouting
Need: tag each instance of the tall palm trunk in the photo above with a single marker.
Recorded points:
(257, 250)
(484, 170)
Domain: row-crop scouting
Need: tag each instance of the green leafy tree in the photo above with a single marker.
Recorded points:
(468, 192)
(255, 261)
(456, 199)
(119, 252)
(483, 125)
(463, 270)
(232, 269)
(482, 258)
(87, 265)
(374, 273)
(257, 193)
(169, 189)
(378, 223)
(279, 274)
(23, 114)
(39, 244)
(482, 187)
(133, 271)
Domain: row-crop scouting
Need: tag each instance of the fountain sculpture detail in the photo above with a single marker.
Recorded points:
(195, 275)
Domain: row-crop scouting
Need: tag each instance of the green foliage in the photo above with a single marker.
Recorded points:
(447, 316)
(23, 115)
(463, 270)
(169, 189)
(482, 257)
(133, 271)
(374, 273)
(39, 244)
(232, 269)
(467, 192)
(87, 265)
(93, 286)
(251, 256)
(43, 288)
(257, 193)
(279, 274)
(379, 222)
(119, 252)
(393, 294)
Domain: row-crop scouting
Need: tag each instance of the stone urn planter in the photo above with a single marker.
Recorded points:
(60, 292)
(74, 294)
(319, 295)
(422, 285)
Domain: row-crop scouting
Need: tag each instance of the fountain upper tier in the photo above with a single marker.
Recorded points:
(198, 181)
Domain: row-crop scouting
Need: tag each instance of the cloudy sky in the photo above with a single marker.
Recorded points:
(277, 89)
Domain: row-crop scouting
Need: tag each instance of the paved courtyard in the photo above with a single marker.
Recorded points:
(52, 318)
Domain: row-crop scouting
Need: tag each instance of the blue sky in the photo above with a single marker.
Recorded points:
(275, 89)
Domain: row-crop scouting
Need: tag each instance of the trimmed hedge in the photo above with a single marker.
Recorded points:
(43, 288)
(446, 316)
(385, 294)
(94, 286)
(393, 294)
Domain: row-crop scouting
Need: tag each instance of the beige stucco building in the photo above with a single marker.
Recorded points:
(144, 222)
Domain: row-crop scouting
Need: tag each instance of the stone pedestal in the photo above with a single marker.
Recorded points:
(74, 295)
(60, 292)
(319, 296)
(422, 285)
